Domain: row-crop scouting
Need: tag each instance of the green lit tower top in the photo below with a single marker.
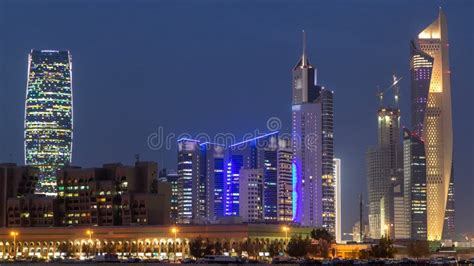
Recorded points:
(48, 115)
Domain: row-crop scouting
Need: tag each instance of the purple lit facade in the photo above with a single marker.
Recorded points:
(312, 144)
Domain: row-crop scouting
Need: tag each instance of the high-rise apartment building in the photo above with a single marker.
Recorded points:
(432, 121)
(312, 143)
(48, 115)
(251, 195)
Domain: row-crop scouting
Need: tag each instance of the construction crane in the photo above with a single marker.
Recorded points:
(396, 90)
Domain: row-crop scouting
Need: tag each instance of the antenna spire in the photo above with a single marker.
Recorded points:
(304, 58)
(304, 43)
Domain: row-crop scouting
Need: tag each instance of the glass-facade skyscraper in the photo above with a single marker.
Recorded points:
(384, 173)
(48, 115)
(313, 144)
(414, 169)
(432, 121)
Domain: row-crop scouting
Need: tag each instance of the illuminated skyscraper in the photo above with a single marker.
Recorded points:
(338, 199)
(256, 153)
(200, 181)
(384, 173)
(212, 180)
(432, 120)
(48, 115)
(284, 182)
(189, 173)
(312, 142)
(414, 168)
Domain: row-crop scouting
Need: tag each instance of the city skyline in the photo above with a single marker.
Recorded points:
(339, 93)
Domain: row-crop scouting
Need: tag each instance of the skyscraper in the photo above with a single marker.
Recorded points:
(189, 158)
(256, 153)
(414, 169)
(327, 158)
(200, 181)
(432, 119)
(48, 115)
(338, 199)
(284, 182)
(384, 166)
(212, 180)
(312, 142)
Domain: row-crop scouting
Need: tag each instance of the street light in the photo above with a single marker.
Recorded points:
(89, 232)
(174, 230)
(285, 229)
(14, 235)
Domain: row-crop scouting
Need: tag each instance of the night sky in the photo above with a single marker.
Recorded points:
(226, 67)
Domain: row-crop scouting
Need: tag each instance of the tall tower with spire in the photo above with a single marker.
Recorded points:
(432, 121)
(312, 144)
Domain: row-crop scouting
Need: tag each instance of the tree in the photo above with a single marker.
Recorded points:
(218, 248)
(249, 247)
(321, 233)
(364, 254)
(298, 247)
(384, 249)
(418, 248)
(197, 247)
(275, 248)
(323, 241)
(209, 248)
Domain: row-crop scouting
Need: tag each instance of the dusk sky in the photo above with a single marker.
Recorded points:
(213, 67)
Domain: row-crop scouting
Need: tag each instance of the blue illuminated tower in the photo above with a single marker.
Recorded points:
(48, 115)
(257, 153)
(200, 181)
(313, 144)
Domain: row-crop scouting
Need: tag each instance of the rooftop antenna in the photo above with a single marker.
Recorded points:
(361, 224)
(304, 43)
(137, 158)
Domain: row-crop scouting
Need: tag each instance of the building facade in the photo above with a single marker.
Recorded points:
(384, 174)
(16, 182)
(201, 179)
(338, 199)
(189, 175)
(261, 153)
(313, 148)
(285, 182)
(157, 242)
(112, 195)
(171, 177)
(251, 207)
(48, 115)
(414, 170)
(212, 176)
(432, 120)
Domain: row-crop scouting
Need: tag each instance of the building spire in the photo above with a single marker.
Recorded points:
(304, 57)
(303, 62)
